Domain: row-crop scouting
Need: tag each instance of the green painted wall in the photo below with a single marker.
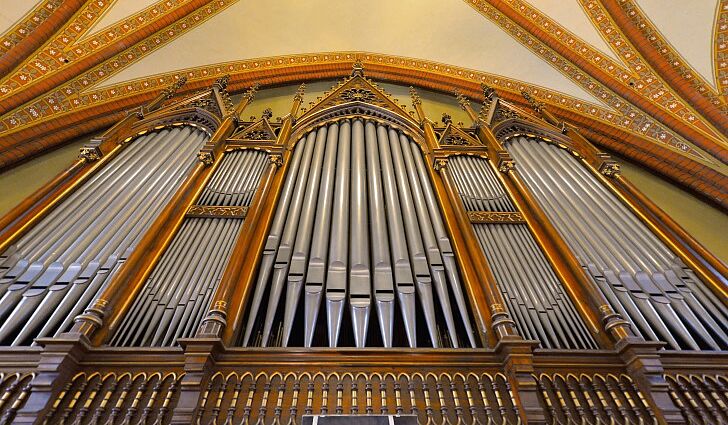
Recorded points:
(705, 222)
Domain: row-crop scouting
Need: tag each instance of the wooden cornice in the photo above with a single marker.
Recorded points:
(34, 38)
(668, 65)
(680, 168)
(714, 145)
(84, 63)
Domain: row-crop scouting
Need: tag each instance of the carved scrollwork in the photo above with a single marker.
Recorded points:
(217, 211)
(357, 95)
(610, 169)
(453, 139)
(489, 217)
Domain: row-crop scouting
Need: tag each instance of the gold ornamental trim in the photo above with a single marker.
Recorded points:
(488, 217)
(216, 211)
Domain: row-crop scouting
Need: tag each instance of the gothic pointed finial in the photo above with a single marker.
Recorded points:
(537, 106)
(222, 82)
(299, 93)
(170, 91)
(357, 69)
(415, 97)
(462, 100)
(446, 118)
(488, 91)
(267, 114)
(250, 94)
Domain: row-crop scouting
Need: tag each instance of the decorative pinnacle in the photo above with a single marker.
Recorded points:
(537, 106)
(170, 91)
(250, 94)
(446, 118)
(462, 100)
(415, 97)
(267, 114)
(222, 82)
(357, 69)
(299, 93)
(488, 91)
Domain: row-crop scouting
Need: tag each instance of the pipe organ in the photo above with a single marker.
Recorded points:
(353, 259)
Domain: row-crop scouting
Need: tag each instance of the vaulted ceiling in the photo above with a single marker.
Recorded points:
(648, 79)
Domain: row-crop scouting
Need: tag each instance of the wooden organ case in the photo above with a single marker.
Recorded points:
(353, 259)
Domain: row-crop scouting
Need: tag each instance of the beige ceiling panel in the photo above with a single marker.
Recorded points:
(12, 10)
(688, 26)
(448, 32)
(119, 10)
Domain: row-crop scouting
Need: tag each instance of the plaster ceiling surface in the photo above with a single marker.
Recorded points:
(449, 32)
(118, 11)
(688, 26)
(12, 10)
(572, 16)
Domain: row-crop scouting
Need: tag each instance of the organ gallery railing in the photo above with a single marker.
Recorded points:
(353, 259)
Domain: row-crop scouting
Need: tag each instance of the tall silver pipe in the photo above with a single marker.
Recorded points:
(359, 275)
(443, 242)
(285, 248)
(403, 278)
(271, 245)
(429, 241)
(381, 261)
(299, 256)
(316, 274)
(336, 273)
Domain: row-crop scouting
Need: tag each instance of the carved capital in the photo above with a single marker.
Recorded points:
(90, 153)
(506, 165)
(440, 164)
(276, 160)
(206, 157)
(610, 169)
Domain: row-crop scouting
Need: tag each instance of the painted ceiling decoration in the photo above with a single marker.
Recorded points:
(69, 68)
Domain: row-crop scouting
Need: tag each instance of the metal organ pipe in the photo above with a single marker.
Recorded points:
(638, 274)
(175, 297)
(532, 292)
(55, 270)
(370, 220)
